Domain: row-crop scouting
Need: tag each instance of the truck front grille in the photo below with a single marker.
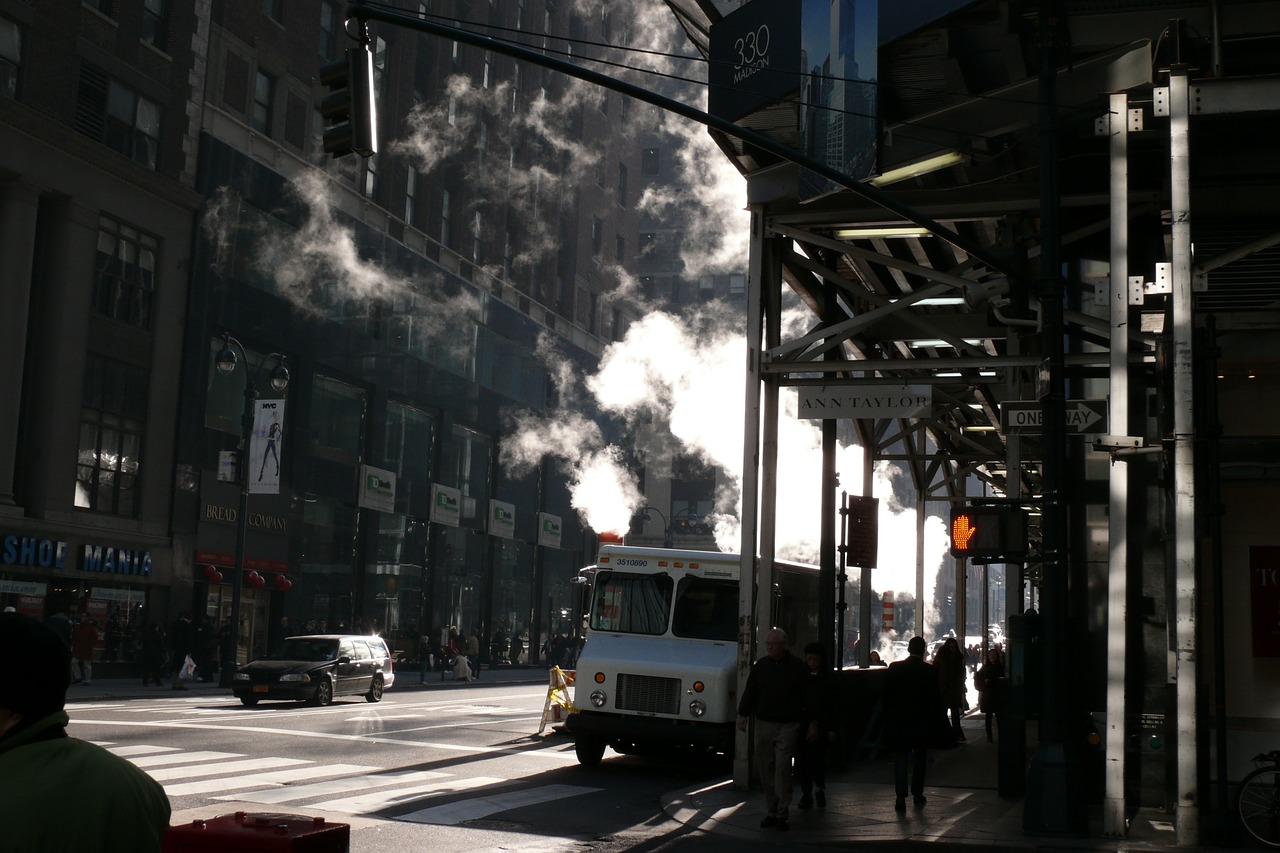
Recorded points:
(648, 694)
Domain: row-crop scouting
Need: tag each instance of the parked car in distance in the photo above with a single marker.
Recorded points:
(316, 668)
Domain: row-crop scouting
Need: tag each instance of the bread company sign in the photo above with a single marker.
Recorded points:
(823, 402)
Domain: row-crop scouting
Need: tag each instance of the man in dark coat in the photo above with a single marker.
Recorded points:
(181, 636)
(912, 705)
(779, 695)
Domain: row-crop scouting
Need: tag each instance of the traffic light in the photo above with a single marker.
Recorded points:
(989, 533)
(350, 106)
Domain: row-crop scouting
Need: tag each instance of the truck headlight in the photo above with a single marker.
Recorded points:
(598, 698)
(697, 707)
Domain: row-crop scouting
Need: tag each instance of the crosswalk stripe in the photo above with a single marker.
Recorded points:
(145, 761)
(474, 808)
(144, 749)
(334, 786)
(374, 801)
(294, 774)
(168, 773)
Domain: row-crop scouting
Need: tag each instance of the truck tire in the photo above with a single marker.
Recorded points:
(589, 749)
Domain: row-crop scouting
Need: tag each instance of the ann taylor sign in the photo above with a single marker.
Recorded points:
(820, 402)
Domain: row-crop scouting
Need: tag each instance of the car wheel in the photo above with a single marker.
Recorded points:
(589, 750)
(324, 692)
(250, 701)
(375, 691)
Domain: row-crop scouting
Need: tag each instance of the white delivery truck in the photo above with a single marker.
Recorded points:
(658, 670)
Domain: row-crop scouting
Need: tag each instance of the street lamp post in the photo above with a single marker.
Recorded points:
(226, 364)
(667, 540)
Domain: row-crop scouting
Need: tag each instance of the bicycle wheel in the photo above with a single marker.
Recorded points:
(1259, 805)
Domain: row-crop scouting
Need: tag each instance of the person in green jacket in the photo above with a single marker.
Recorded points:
(58, 793)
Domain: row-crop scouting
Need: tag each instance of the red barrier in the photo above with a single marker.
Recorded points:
(272, 833)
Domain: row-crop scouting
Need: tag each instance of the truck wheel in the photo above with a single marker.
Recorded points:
(589, 750)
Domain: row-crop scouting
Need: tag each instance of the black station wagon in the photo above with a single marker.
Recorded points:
(317, 668)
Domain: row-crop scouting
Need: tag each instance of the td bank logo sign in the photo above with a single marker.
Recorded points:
(549, 528)
(446, 505)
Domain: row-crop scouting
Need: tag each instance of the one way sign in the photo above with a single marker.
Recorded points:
(1083, 416)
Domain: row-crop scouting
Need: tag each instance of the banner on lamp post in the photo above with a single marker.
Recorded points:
(265, 446)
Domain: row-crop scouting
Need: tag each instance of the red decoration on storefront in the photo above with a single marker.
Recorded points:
(212, 574)
(283, 583)
(256, 580)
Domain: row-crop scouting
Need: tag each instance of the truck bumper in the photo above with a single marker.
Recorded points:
(623, 731)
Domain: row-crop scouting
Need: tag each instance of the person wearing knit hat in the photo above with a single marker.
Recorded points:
(58, 792)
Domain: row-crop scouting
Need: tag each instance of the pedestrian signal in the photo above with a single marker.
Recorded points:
(989, 533)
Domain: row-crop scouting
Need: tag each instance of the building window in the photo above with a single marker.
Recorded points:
(410, 442)
(370, 184)
(155, 23)
(622, 185)
(649, 162)
(274, 9)
(118, 117)
(112, 416)
(453, 111)
(264, 86)
(597, 235)
(10, 56)
(106, 7)
(619, 248)
(337, 420)
(124, 275)
(488, 69)
(410, 196)
(737, 284)
(328, 28)
(446, 218)
(477, 238)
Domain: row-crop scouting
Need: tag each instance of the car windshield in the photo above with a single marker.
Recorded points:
(300, 648)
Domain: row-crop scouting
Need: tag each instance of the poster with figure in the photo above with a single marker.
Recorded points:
(265, 447)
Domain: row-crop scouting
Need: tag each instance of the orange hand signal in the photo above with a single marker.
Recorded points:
(962, 530)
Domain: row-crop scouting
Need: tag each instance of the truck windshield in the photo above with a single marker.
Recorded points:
(706, 609)
(631, 604)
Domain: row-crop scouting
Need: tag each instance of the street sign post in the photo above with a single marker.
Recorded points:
(1082, 416)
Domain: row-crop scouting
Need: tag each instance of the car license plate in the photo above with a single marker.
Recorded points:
(260, 688)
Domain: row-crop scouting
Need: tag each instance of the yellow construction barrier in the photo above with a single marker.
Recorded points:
(558, 705)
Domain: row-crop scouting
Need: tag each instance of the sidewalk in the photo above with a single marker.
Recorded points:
(964, 810)
(407, 679)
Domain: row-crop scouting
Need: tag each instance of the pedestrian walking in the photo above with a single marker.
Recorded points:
(990, 681)
(84, 639)
(952, 675)
(778, 697)
(912, 706)
(812, 747)
(153, 654)
(180, 639)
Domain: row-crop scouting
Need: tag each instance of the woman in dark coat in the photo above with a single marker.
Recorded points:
(990, 681)
(951, 670)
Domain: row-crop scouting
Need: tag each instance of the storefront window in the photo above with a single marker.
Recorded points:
(512, 601)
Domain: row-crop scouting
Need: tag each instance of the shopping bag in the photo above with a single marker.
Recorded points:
(188, 671)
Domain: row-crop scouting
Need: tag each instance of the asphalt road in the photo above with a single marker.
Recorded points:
(460, 768)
